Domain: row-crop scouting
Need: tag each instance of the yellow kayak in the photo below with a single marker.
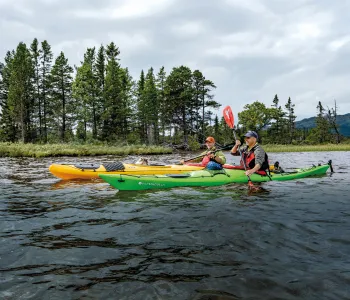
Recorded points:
(90, 171)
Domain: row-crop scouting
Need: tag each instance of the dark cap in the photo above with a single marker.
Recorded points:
(251, 134)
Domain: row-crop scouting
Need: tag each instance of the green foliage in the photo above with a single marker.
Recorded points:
(193, 143)
(256, 116)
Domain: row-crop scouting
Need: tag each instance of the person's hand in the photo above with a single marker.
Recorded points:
(211, 155)
(182, 161)
(238, 143)
(249, 172)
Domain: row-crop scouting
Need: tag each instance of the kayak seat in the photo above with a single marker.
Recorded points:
(114, 166)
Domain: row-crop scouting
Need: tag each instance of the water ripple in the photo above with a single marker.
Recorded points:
(84, 240)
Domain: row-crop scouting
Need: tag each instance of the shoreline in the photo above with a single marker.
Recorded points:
(58, 150)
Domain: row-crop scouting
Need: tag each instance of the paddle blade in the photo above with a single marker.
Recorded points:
(228, 116)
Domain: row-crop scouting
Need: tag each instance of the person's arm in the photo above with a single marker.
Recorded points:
(234, 150)
(199, 159)
(218, 157)
(251, 171)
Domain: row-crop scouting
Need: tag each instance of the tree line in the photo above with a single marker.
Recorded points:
(276, 124)
(46, 100)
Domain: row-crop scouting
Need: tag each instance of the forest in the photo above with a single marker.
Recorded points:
(45, 100)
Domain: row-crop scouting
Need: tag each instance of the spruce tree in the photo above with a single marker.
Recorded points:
(290, 120)
(112, 94)
(45, 69)
(35, 53)
(162, 101)
(8, 127)
(20, 93)
(140, 99)
(61, 83)
(151, 107)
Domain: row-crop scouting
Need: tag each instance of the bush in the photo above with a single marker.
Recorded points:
(193, 143)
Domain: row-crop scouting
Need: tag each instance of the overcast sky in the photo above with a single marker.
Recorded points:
(251, 49)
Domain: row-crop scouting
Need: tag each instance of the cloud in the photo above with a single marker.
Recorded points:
(251, 49)
(123, 9)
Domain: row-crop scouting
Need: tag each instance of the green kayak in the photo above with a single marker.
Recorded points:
(202, 178)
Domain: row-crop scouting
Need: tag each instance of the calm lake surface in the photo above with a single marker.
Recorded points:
(75, 240)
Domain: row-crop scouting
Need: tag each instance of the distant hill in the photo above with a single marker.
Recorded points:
(342, 120)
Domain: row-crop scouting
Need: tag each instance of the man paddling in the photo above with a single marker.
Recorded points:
(213, 159)
(253, 154)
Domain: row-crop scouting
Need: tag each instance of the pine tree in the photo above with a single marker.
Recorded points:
(179, 92)
(8, 127)
(202, 99)
(290, 120)
(140, 98)
(162, 102)
(87, 92)
(112, 93)
(61, 83)
(332, 120)
(151, 107)
(322, 124)
(127, 102)
(20, 93)
(277, 126)
(100, 75)
(35, 53)
(45, 69)
(216, 126)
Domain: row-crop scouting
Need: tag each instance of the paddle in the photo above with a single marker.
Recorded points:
(229, 146)
(230, 121)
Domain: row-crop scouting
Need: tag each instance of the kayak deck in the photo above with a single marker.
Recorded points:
(90, 171)
(203, 178)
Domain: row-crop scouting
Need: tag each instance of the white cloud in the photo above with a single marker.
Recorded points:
(189, 29)
(255, 6)
(22, 30)
(129, 9)
(339, 43)
(130, 43)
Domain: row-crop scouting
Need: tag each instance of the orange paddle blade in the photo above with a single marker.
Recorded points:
(228, 116)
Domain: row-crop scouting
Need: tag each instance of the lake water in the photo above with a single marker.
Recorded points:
(75, 240)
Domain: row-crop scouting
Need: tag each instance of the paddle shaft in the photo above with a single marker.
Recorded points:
(240, 153)
(217, 150)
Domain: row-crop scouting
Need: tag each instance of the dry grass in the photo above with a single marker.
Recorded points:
(50, 150)
(306, 148)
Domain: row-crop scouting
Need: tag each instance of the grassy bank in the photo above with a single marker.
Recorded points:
(306, 148)
(50, 150)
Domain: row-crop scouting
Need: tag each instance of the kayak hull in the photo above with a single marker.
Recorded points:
(202, 178)
(67, 172)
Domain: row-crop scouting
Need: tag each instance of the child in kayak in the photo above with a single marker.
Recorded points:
(254, 156)
(212, 160)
